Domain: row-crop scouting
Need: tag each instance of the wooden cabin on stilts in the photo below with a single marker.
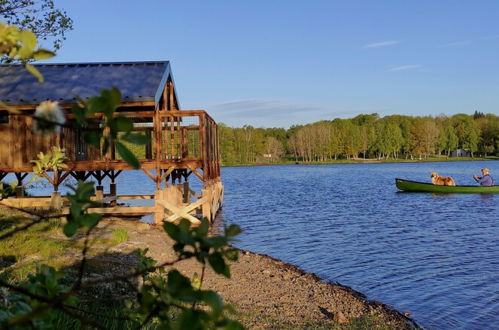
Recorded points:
(184, 143)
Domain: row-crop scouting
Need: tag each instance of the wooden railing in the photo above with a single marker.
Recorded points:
(186, 139)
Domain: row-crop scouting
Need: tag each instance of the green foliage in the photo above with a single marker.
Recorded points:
(205, 249)
(30, 308)
(365, 135)
(51, 161)
(163, 292)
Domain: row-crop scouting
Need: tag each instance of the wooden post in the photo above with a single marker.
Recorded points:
(159, 215)
(112, 192)
(206, 207)
(19, 188)
(186, 198)
(202, 133)
(56, 201)
(99, 192)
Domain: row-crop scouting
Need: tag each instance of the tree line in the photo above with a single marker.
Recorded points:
(366, 136)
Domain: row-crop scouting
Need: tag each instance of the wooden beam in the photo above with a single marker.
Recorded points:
(167, 173)
(179, 212)
(123, 210)
(194, 170)
(135, 197)
(149, 174)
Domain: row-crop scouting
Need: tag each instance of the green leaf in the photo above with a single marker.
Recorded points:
(178, 283)
(233, 325)
(172, 230)
(79, 113)
(97, 104)
(233, 230)
(190, 319)
(218, 264)
(43, 54)
(213, 300)
(196, 281)
(93, 138)
(136, 138)
(113, 95)
(216, 241)
(124, 124)
(231, 254)
(127, 155)
(90, 220)
(70, 228)
(29, 41)
(34, 71)
(203, 228)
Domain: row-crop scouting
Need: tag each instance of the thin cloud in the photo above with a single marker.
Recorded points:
(405, 67)
(259, 107)
(456, 44)
(490, 37)
(382, 44)
(270, 112)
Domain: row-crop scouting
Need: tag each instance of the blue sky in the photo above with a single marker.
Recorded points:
(277, 63)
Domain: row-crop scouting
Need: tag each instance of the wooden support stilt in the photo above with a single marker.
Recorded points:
(186, 193)
(99, 192)
(159, 215)
(19, 188)
(206, 207)
(112, 192)
(56, 201)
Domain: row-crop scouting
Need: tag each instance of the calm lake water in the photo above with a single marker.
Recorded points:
(435, 256)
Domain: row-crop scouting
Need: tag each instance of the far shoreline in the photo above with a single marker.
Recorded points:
(371, 161)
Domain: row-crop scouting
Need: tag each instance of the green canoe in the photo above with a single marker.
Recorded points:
(414, 186)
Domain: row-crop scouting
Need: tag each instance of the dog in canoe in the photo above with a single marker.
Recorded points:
(442, 180)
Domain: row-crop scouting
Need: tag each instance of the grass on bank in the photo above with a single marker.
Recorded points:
(292, 161)
(43, 243)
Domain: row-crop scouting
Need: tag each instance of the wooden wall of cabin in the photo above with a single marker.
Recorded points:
(20, 145)
(5, 140)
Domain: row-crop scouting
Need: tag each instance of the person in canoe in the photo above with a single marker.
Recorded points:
(485, 179)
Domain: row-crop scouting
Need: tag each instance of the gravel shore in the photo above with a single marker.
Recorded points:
(268, 293)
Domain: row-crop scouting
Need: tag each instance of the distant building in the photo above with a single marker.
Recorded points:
(460, 153)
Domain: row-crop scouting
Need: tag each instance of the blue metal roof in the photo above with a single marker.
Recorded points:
(137, 81)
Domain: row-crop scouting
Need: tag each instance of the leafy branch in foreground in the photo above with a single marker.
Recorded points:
(166, 298)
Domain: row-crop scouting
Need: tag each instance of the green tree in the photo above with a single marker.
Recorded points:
(424, 136)
(467, 131)
(41, 17)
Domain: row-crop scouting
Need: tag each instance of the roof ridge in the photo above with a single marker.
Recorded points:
(84, 64)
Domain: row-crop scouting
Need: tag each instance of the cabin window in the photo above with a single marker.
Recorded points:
(4, 117)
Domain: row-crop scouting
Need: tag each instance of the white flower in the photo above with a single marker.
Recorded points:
(49, 117)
